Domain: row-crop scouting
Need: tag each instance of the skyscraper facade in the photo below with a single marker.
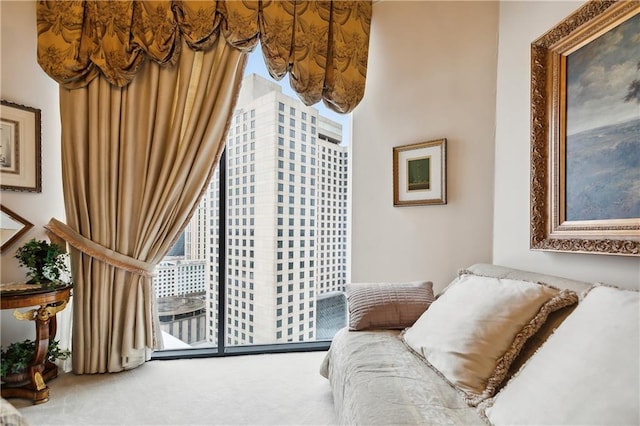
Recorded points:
(286, 226)
(195, 233)
(179, 277)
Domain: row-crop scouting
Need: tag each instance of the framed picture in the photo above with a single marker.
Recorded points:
(20, 166)
(585, 132)
(420, 173)
(12, 227)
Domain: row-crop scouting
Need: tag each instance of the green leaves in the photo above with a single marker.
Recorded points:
(45, 261)
(17, 356)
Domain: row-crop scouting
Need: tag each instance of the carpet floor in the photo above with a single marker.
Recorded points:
(270, 389)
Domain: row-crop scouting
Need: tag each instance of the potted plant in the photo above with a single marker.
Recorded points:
(16, 358)
(46, 261)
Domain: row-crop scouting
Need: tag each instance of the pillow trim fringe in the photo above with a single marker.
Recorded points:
(561, 300)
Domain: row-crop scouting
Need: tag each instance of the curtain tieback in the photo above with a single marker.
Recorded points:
(97, 251)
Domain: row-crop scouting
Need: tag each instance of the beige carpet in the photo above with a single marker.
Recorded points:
(249, 390)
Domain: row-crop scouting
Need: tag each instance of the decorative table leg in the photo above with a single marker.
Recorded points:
(39, 368)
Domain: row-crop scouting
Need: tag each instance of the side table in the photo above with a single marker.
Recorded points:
(52, 298)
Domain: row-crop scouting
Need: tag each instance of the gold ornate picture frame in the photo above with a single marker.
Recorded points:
(584, 140)
(20, 146)
(420, 173)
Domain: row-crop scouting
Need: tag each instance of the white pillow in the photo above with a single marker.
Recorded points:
(587, 371)
(474, 331)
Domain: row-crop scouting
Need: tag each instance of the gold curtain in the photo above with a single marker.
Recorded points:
(137, 153)
(135, 163)
(322, 44)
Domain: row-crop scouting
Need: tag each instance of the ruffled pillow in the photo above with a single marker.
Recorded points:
(472, 333)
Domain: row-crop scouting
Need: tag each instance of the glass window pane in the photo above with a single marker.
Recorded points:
(268, 299)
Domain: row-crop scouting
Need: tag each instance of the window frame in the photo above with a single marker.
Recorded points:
(222, 349)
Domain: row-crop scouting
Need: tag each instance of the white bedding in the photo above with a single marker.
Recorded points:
(376, 380)
(9, 415)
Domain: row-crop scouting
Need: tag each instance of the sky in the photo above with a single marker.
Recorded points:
(256, 65)
(598, 78)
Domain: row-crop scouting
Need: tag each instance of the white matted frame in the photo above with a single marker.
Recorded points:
(420, 173)
(20, 145)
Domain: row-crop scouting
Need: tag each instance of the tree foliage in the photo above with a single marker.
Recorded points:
(634, 89)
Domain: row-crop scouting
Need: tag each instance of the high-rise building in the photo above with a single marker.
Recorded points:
(178, 247)
(178, 277)
(286, 206)
(180, 285)
(195, 235)
(332, 205)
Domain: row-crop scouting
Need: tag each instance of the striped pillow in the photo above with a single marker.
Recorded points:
(387, 305)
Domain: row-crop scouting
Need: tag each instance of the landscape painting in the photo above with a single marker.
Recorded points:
(602, 157)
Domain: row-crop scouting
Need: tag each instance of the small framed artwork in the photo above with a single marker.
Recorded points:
(20, 164)
(420, 173)
(585, 132)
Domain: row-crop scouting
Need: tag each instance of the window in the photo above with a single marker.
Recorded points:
(259, 230)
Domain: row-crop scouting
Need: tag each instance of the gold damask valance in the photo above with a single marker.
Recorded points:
(322, 44)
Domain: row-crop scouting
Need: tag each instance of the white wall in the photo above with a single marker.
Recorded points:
(431, 74)
(520, 24)
(23, 82)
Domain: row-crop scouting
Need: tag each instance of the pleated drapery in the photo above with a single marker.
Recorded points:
(135, 163)
(147, 89)
(323, 45)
